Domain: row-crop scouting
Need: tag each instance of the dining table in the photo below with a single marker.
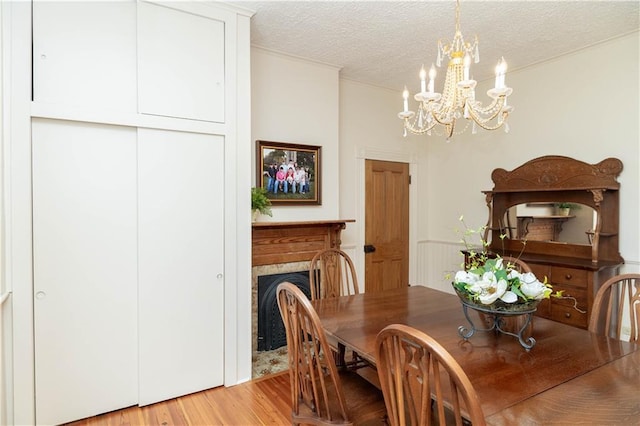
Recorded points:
(570, 376)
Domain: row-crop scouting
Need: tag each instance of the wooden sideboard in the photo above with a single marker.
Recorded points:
(287, 242)
(578, 269)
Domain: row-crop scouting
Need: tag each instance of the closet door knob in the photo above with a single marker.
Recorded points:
(41, 295)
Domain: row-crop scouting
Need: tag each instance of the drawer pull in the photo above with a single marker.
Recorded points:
(567, 277)
(567, 315)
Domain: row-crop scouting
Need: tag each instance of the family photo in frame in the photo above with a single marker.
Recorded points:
(290, 173)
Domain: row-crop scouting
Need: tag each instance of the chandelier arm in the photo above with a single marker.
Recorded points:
(479, 109)
(484, 125)
(442, 121)
(417, 130)
(478, 112)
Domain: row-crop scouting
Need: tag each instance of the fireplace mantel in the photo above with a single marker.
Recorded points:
(287, 242)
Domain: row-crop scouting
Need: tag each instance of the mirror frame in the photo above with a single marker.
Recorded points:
(553, 179)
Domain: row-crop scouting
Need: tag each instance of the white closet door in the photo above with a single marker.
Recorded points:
(180, 63)
(84, 54)
(181, 256)
(85, 275)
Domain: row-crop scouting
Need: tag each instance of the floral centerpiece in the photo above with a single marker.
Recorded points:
(498, 285)
(491, 283)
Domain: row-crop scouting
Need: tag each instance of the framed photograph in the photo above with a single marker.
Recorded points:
(289, 172)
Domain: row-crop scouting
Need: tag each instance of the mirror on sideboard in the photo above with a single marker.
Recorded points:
(559, 222)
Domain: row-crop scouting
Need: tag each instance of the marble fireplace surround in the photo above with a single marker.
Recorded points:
(283, 247)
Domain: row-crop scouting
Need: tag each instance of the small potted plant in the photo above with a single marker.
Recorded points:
(260, 203)
(564, 208)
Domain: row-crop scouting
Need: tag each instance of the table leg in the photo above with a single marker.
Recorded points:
(339, 356)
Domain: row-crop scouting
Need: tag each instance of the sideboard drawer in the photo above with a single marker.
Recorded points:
(564, 310)
(566, 313)
(573, 281)
(580, 296)
(571, 276)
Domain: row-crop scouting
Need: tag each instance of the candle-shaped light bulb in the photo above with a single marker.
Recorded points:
(405, 97)
(504, 72)
(432, 77)
(423, 76)
(467, 64)
(501, 68)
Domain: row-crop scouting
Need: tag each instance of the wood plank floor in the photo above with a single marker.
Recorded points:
(265, 401)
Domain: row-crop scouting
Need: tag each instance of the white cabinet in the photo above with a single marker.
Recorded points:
(130, 57)
(84, 54)
(181, 263)
(129, 211)
(85, 269)
(70, 153)
(178, 74)
(129, 266)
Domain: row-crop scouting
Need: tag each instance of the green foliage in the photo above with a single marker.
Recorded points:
(565, 205)
(260, 202)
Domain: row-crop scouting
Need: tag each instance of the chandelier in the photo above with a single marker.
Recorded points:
(458, 97)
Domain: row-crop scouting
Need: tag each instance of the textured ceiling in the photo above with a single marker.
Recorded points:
(385, 43)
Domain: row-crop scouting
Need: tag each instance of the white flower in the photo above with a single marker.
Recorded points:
(514, 274)
(532, 288)
(465, 277)
(492, 291)
(509, 297)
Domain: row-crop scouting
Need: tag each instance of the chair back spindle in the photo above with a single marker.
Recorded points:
(616, 302)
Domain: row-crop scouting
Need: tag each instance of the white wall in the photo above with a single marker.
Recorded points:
(583, 105)
(3, 368)
(370, 129)
(296, 101)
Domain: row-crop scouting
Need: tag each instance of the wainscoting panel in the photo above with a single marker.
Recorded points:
(436, 259)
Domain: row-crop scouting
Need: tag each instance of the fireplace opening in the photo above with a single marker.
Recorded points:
(271, 331)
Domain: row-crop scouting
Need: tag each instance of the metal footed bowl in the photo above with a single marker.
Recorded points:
(500, 307)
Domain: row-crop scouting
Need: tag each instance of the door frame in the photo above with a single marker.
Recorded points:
(363, 154)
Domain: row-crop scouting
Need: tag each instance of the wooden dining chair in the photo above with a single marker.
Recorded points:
(616, 295)
(318, 389)
(518, 264)
(421, 382)
(332, 274)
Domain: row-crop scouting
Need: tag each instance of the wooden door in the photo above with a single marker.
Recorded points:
(386, 225)
(85, 269)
